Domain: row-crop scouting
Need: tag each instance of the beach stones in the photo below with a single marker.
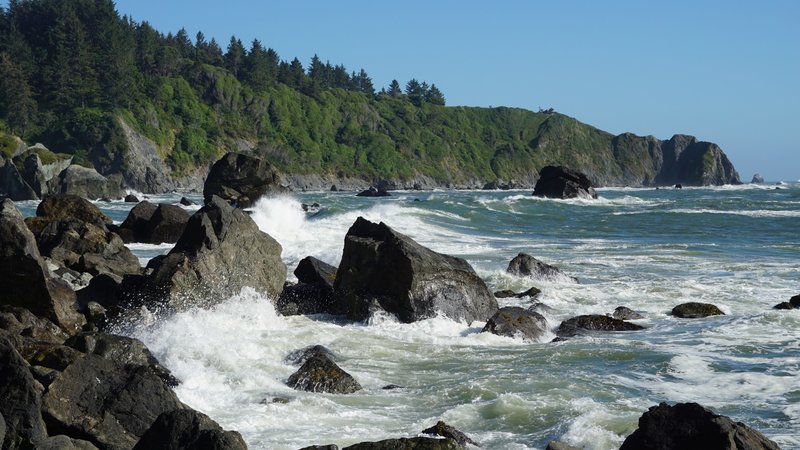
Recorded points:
(689, 425)
(382, 269)
(694, 310)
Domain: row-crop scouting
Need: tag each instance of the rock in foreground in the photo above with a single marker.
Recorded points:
(384, 269)
(594, 322)
(153, 224)
(446, 431)
(241, 180)
(513, 321)
(694, 310)
(563, 183)
(690, 426)
(416, 443)
(186, 429)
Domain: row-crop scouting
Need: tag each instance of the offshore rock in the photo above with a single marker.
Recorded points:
(241, 180)
(374, 192)
(21, 401)
(130, 198)
(513, 321)
(694, 310)
(384, 269)
(186, 429)
(153, 224)
(134, 227)
(580, 324)
(320, 374)
(415, 443)
(87, 183)
(446, 431)
(563, 183)
(220, 252)
(625, 313)
(689, 425)
(525, 265)
(25, 279)
(757, 179)
(314, 292)
(793, 303)
(299, 357)
(66, 206)
(107, 403)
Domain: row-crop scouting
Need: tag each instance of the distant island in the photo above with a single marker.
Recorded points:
(118, 96)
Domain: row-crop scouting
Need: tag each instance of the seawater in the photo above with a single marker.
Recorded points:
(737, 247)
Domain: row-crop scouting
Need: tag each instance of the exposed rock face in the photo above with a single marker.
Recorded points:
(689, 425)
(241, 179)
(525, 265)
(320, 374)
(513, 321)
(145, 170)
(383, 268)
(39, 175)
(25, 279)
(111, 413)
(220, 251)
(694, 310)
(153, 224)
(693, 163)
(87, 183)
(757, 179)
(12, 184)
(415, 443)
(21, 400)
(446, 431)
(62, 442)
(560, 182)
(581, 324)
(188, 429)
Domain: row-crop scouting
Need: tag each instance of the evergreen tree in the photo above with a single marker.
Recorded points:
(414, 92)
(256, 67)
(434, 96)
(363, 83)
(394, 89)
(235, 56)
(17, 106)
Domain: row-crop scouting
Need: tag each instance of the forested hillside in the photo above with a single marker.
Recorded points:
(79, 78)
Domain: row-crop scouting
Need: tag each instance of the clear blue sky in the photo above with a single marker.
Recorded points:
(724, 71)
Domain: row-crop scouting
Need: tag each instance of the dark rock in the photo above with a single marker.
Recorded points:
(154, 224)
(540, 308)
(625, 313)
(66, 206)
(525, 265)
(12, 184)
(532, 293)
(134, 227)
(415, 443)
(220, 251)
(313, 271)
(86, 247)
(757, 179)
(103, 289)
(793, 303)
(56, 357)
(560, 182)
(334, 188)
(391, 387)
(446, 431)
(694, 310)
(186, 202)
(505, 293)
(299, 357)
(109, 404)
(276, 400)
(556, 445)
(512, 321)
(186, 429)
(241, 180)
(62, 442)
(690, 426)
(383, 268)
(25, 279)
(130, 198)
(87, 183)
(21, 401)
(373, 192)
(580, 324)
(678, 186)
(19, 321)
(305, 299)
(321, 447)
(320, 374)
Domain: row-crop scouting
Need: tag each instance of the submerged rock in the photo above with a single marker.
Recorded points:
(525, 265)
(320, 374)
(374, 192)
(446, 431)
(186, 429)
(688, 426)
(384, 269)
(241, 180)
(694, 310)
(560, 182)
(513, 321)
(594, 322)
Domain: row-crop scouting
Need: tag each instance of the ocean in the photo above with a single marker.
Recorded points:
(737, 247)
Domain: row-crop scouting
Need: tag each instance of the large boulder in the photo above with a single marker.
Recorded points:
(373, 191)
(385, 269)
(86, 247)
(241, 179)
(757, 179)
(320, 374)
(446, 431)
(39, 174)
(220, 252)
(313, 271)
(68, 206)
(415, 443)
(105, 402)
(689, 425)
(695, 310)
(25, 279)
(513, 321)
(12, 184)
(793, 303)
(63, 442)
(560, 182)
(21, 400)
(87, 183)
(313, 294)
(525, 265)
(186, 429)
(153, 224)
(594, 322)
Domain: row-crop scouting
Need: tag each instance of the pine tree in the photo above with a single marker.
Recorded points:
(415, 93)
(235, 56)
(394, 89)
(17, 105)
(434, 96)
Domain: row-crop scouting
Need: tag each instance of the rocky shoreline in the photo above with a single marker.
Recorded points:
(68, 383)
